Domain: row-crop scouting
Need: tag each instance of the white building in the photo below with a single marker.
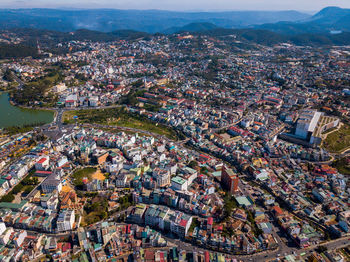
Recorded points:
(59, 88)
(311, 124)
(178, 183)
(307, 123)
(5, 236)
(189, 174)
(43, 163)
(2, 228)
(93, 101)
(65, 221)
(71, 101)
(19, 238)
(162, 177)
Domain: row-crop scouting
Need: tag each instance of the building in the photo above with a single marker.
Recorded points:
(65, 221)
(42, 164)
(2, 228)
(19, 238)
(162, 177)
(71, 101)
(93, 101)
(5, 236)
(59, 88)
(178, 183)
(311, 124)
(51, 183)
(229, 180)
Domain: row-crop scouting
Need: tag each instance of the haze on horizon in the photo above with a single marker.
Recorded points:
(180, 5)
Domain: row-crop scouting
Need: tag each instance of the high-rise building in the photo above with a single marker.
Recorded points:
(229, 180)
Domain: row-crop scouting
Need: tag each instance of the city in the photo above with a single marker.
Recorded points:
(186, 146)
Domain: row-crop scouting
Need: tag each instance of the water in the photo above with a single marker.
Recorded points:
(14, 116)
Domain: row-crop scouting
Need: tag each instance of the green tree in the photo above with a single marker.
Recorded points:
(7, 198)
(193, 164)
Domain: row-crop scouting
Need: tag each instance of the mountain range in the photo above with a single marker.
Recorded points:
(330, 26)
(150, 21)
(329, 19)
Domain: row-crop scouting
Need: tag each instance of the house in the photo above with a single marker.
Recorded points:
(43, 163)
(71, 101)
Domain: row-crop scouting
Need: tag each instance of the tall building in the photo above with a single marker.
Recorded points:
(229, 180)
(65, 221)
(311, 124)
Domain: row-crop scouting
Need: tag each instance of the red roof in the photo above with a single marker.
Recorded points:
(42, 160)
(183, 222)
(161, 255)
(43, 172)
(219, 227)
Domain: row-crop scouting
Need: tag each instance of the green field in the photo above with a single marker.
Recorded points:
(80, 174)
(118, 117)
(339, 140)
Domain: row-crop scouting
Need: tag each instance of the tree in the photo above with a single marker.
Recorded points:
(193, 164)
(7, 198)
(28, 189)
(321, 249)
(8, 75)
(18, 188)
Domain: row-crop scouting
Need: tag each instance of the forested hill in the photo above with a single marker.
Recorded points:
(17, 51)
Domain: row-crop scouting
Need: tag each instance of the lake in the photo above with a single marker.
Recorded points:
(15, 116)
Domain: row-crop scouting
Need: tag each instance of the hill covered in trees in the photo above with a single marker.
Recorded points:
(8, 51)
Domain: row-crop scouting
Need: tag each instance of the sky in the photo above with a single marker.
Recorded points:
(183, 5)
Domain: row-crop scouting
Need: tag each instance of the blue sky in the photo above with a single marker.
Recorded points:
(306, 5)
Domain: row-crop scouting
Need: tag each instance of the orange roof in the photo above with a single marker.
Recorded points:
(278, 210)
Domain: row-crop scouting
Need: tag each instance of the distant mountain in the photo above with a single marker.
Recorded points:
(329, 15)
(192, 27)
(343, 23)
(151, 21)
(327, 20)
